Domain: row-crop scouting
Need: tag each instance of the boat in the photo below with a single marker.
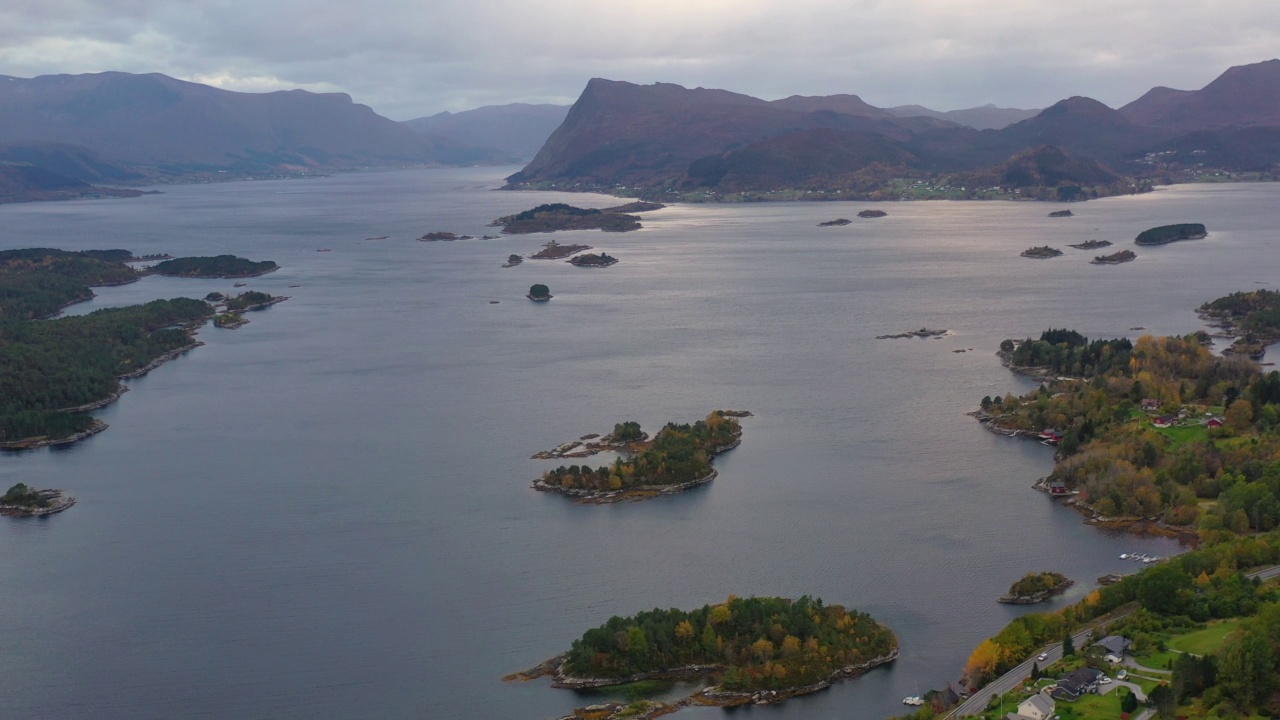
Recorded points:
(913, 700)
(1124, 556)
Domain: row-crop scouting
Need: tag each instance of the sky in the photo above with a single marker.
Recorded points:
(410, 58)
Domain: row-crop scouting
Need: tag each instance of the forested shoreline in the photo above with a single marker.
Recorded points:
(52, 370)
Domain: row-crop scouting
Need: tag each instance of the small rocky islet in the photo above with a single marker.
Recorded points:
(1091, 245)
(676, 459)
(1041, 252)
(1035, 587)
(23, 501)
(923, 332)
(872, 214)
(552, 217)
(1116, 258)
(836, 223)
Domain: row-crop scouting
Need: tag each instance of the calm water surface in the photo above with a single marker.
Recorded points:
(327, 513)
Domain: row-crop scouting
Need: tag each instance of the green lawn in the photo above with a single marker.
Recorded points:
(1157, 660)
(1091, 707)
(1206, 641)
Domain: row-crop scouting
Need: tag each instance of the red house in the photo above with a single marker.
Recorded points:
(1214, 423)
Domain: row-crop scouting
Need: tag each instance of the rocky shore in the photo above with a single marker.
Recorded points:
(38, 442)
(160, 361)
(639, 492)
(713, 695)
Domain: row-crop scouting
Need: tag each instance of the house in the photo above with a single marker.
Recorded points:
(1115, 645)
(1071, 687)
(1037, 707)
(1150, 405)
(1058, 487)
(1051, 436)
(1164, 421)
(1214, 422)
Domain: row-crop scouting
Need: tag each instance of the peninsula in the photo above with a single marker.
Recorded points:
(55, 371)
(755, 650)
(1171, 233)
(1155, 436)
(559, 216)
(1252, 318)
(220, 266)
(678, 458)
(1036, 587)
(1042, 252)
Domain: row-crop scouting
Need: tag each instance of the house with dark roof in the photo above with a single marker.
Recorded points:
(1115, 645)
(1071, 687)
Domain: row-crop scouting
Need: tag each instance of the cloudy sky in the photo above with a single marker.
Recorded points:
(408, 58)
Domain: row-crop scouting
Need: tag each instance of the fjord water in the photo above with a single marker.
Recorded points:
(327, 513)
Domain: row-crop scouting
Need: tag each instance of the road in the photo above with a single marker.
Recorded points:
(1012, 679)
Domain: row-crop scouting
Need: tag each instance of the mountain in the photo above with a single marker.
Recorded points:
(170, 125)
(987, 117)
(518, 129)
(823, 157)
(620, 133)
(1243, 96)
(1085, 127)
(1046, 167)
(70, 160)
(1249, 149)
(846, 104)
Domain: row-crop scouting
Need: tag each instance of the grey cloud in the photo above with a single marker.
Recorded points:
(414, 58)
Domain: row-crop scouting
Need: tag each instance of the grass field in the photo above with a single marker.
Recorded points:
(1206, 641)
(1156, 660)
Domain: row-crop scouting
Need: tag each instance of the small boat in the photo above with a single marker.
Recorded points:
(1124, 556)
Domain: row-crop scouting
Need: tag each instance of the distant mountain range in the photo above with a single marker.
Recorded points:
(155, 125)
(987, 117)
(518, 130)
(120, 128)
(665, 139)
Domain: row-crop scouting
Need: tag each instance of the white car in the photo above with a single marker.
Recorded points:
(1042, 657)
(1104, 680)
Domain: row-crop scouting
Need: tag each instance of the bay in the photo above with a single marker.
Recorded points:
(327, 512)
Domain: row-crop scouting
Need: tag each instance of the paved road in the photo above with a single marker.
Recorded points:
(1012, 679)
(1265, 573)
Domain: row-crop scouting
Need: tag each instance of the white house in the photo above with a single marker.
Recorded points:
(1037, 707)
